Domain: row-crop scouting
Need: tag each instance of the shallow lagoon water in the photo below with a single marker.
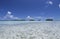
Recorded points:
(29, 30)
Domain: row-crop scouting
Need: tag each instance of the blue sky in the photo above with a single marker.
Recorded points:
(33, 8)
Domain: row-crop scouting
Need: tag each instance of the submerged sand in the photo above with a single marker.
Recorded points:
(30, 30)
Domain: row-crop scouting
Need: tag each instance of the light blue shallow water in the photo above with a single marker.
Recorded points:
(19, 22)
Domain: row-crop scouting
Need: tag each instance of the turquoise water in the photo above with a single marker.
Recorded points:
(11, 23)
(26, 22)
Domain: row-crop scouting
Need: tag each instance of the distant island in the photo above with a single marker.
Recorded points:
(27, 20)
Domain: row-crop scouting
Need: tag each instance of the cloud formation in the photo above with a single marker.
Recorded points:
(10, 16)
(9, 12)
(0, 17)
(29, 17)
(59, 5)
(39, 17)
(49, 2)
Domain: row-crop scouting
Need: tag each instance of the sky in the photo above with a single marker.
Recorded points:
(27, 8)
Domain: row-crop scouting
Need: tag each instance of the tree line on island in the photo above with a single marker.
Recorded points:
(34, 20)
(27, 20)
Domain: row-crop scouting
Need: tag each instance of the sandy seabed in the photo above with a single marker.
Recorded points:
(30, 30)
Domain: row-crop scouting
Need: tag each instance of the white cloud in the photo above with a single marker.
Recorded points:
(50, 17)
(0, 17)
(49, 2)
(9, 12)
(40, 17)
(16, 18)
(59, 5)
(10, 16)
(29, 17)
